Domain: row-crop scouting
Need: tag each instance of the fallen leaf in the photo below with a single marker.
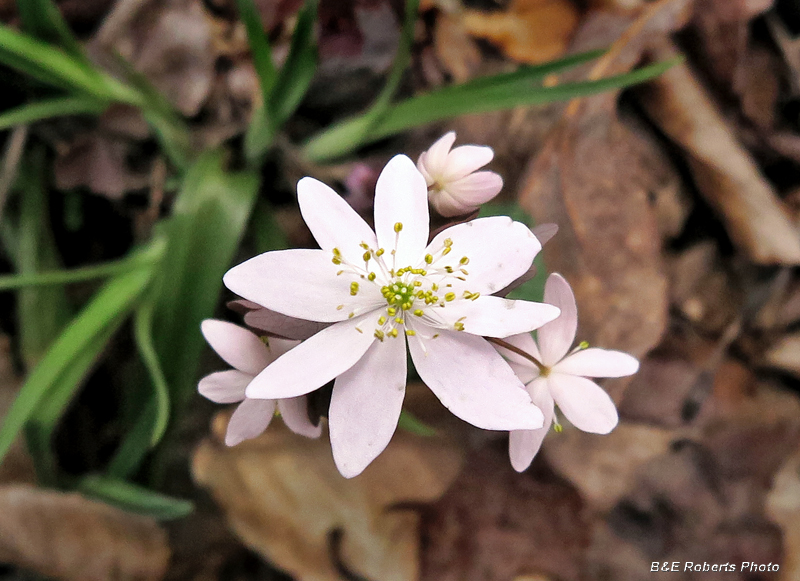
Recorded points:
(457, 52)
(785, 354)
(17, 465)
(71, 538)
(284, 497)
(725, 173)
(529, 31)
(592, 179)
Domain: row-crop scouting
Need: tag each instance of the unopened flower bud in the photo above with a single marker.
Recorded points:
(455, 187)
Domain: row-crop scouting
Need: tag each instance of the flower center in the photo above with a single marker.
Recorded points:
(399, 294)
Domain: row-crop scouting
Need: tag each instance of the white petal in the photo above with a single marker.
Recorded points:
(294, 411)
(224, 386)
(466, 159)
(476, 188)
(436, 156)
(472, 381)
(365, 405)
(556, 338)
(278, 347)
(598, 363)
(249, 420)
(523, 445)
(315, 361)
(237, 346)
(401, 196)
(524, 368)
(583, 402)
(421, 166)
(496, 317)
(499, 250)
(279, 324)
(332, 221)
(303, 284)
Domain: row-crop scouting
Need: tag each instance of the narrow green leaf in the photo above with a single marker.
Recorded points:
(207, 223)
(134, 498)
(410, 423)
(450, 102)
(259, 46)
(143, 333)
(43, 386)
(137, 443)
(41, 312)
(43, 19)
(52, 66)
(266, 231)
(33, 112)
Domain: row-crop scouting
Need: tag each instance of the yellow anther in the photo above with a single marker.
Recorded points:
(379, 252)
(449, 297)
(398, 226)
(336, 260)
(337, 252)
(398, 320)
(446, 251)
(379, 334)
(458, 326)
(359, 330)
(448, 242)
(467, 294)
(366, 256)
(371, 276)
(419, 312)
(558, 428)
(464, 271)
(435, 336)
(435, 287)
(410, 332)
(339, 272)
(393, 333)
(351, 315)
(475, 296)
(364, 245)
(448, 269)
(583, 345)
(428, 259)
(392, 311)
(464, 261)
(382, 320)
(353, 289)
(340, 307)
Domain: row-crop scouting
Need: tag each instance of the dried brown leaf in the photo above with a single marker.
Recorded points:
(783, 507)
(17, 465)
(725, 173)
(71, 538)
(284, 497)
(457, 52)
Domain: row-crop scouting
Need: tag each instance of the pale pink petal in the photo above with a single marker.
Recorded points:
(303, 284)
(237, 346)
(544, 232)
(421, 166)
(401, 196)
(366, 404)
(473, 381)
(315, 361)
(598, 363)
(278, 347)
(496, 317)
(332, 221)
(464, 160)
(249, 420)
(523, 445)
(556, 338)
(476, 188)
(436, 156)
(279, 324)
(446, 205)
(224, 386)
(525, 369)
(583, 402)
(499, 250)
(294, 412)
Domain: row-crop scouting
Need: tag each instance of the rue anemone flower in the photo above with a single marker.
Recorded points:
(249, 355)
(455, 186)
(554, 375)
(388, 288)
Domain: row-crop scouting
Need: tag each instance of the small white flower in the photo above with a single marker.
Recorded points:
(455, 187)
(248, 356)
(384, 289)
(562, 380)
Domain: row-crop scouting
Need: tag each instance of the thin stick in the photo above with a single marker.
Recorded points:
(518, 351)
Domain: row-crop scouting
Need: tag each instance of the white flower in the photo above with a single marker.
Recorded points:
(455, 187)
(248, 356)
(385, 288)
(563, 379)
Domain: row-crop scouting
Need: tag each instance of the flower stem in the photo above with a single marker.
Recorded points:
(518, 351)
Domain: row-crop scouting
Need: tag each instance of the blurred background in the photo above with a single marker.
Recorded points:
(149, 145)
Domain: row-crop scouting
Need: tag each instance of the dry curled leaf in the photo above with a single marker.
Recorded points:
(284, 497)
(530, 31)
(725, 173)
(70, 538)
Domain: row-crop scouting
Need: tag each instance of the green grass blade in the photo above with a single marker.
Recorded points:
(208, 220)
(447, 103)
(134, 498)
(33, 112)
(113, 301)
(259, 47)
(143, 333)
(41, 312)
(410, 423)
(43, 19)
